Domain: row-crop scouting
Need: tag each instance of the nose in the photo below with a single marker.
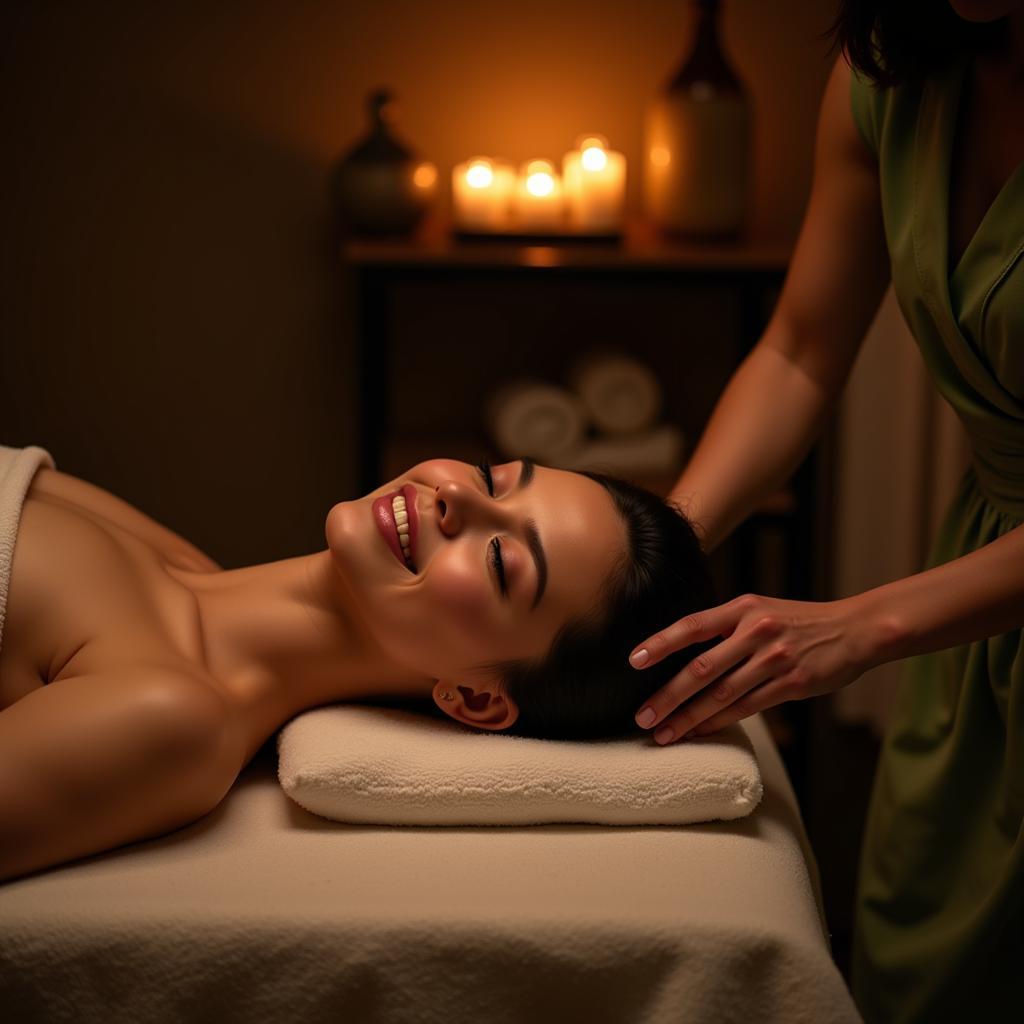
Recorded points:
(459, 505)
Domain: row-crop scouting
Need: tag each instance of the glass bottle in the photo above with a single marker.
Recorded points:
(697, 143)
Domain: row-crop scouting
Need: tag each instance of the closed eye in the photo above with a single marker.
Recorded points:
(484, 469)
(532, 536)
(499, 565)
(494, 547)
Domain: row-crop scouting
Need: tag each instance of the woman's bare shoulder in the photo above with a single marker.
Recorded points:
(110, 757)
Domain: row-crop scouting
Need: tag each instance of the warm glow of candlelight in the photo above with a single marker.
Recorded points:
(538, 202)
(482, 190)
(480, 174)
(540, 177)
(592, 152)
(594, 177)
(424, 176)
(660, 156)
(540, 182)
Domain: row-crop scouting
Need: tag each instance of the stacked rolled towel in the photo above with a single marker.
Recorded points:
(607, 422)
(621, 394)
(17, 468)
(388, 766)
(531, 417)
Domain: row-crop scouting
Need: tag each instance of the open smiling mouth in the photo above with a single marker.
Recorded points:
(397, 518)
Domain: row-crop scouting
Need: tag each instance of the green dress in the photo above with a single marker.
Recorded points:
(939, 916)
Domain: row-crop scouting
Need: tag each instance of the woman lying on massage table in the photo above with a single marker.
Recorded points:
(138, 678)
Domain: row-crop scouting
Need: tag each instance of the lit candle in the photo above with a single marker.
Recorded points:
(481, 194)
(538, 197)
(595, 185)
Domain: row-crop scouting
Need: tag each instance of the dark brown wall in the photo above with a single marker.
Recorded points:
(171, 325)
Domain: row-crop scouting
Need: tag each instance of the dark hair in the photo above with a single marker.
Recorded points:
(892, 43)
(585, 687)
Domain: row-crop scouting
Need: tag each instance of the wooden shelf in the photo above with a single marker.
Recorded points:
(641, 247)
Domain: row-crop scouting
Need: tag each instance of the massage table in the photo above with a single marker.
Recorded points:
(262, 911)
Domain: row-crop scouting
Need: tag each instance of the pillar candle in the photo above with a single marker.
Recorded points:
(595, 185)
(538, 197)
(482, 191)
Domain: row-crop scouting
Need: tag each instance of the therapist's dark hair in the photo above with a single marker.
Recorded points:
(584, 688)
(910, 40)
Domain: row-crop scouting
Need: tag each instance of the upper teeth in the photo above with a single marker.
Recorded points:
(402, 522)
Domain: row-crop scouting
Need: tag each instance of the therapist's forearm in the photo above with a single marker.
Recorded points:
(761, 429)
(972, 597)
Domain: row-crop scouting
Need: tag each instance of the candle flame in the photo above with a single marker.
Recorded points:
(479, 174)
(660, 156)
(540, 177)
(425, 175)
(540, 183)
(594, 158)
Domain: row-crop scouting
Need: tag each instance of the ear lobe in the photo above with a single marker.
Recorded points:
(482, 707)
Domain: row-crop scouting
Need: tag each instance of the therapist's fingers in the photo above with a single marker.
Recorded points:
(761, 698)
(759, 683)
(704, 673)
(690, 629)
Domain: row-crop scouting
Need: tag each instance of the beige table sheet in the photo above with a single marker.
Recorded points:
(264, 912)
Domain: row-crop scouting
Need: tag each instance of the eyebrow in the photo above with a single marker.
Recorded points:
(533, 535)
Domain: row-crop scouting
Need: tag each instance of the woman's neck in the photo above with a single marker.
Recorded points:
(285, 636)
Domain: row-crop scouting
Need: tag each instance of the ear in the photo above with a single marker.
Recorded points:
(482, 705)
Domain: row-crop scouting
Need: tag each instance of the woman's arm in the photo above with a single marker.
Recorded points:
(972, 597)
(92, 762)
(777, 650)
(780, 397)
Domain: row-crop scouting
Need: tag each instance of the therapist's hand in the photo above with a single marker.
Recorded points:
(772, 651)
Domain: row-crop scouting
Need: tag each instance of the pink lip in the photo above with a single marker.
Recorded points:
(385, 520)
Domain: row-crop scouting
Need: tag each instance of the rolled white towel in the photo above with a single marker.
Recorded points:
(621, 394)
(655, 452)
(531, 417)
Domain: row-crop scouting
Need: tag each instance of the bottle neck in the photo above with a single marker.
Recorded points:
(706, 63)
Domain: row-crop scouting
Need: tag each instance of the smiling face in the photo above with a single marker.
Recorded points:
(501, 558)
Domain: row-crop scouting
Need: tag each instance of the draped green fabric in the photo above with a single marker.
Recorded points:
(939, 915)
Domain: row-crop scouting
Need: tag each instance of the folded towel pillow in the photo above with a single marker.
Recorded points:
(385, 766)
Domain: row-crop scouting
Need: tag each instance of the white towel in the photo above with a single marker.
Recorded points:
(622, 395)
(17, 468)
(387, 766)
(530, 417)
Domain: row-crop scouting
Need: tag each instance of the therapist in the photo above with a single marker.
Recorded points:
(920, 181)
